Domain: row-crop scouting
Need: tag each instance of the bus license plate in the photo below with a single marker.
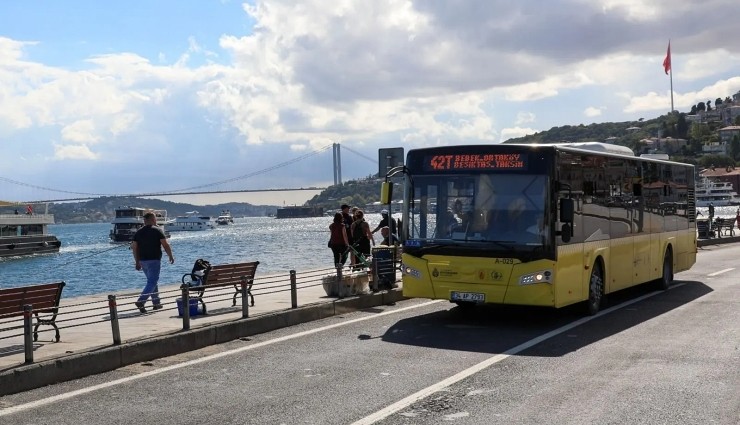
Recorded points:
(468, 296)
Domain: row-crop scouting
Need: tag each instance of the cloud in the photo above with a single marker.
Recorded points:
(592, 111)
(524, 117)
(75, 152)
(514, 132)
(654, 101)
(82, 131)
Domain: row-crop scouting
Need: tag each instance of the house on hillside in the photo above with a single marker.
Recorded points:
(667, 145)
(726, 134)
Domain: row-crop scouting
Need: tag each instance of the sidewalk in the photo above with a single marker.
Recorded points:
(88, 348)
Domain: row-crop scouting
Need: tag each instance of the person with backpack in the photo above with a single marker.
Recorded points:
(362, 237)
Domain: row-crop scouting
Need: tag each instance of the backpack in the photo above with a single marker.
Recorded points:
(200, 269)
(358, 232)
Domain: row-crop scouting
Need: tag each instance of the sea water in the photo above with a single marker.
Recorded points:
(90, 264)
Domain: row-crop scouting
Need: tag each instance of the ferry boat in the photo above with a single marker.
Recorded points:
(191, 221)
(225, 218)
(717, 193)
(26, 234)
(130, 219)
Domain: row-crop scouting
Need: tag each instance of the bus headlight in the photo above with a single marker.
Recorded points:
(543, 276)
(411, 272)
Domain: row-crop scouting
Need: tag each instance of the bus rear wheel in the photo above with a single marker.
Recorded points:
(664, 282)
(595, 290)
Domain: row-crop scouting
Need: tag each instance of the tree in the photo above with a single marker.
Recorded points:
(701, 106)
(717, 161)
(693, 109)
(717, 102)
(682, 127)
(709, 105)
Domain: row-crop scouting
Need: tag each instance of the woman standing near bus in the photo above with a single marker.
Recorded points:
(338, 241)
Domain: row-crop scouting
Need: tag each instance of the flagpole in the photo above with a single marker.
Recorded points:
(671, 77)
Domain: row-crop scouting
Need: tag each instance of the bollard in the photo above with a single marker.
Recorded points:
(114, 319)
(185, 308)
(340, 291)
(27, 337)
(374, 274)
(293, 290)
(245, 299)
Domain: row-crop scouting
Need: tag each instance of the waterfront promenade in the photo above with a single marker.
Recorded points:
(87, 340)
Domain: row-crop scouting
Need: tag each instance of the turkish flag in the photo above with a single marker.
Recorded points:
(667, 60)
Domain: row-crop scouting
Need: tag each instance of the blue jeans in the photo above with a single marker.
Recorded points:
(151, 271)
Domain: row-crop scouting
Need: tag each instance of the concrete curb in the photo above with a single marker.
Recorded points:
(75, 366)
(717, 241)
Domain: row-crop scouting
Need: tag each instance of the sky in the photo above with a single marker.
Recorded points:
(151, 96)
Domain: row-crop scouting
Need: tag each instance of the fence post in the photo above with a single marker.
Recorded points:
(27, 337)
(293, 290)
(114, 319)
(185, 308)
(245, 299)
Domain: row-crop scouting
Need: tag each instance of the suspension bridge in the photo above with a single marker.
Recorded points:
(64, 195)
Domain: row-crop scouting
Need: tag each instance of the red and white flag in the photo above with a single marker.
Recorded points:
(667, 60)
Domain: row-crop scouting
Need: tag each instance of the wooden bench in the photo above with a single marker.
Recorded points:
(724, 226)
(44, 298)
(223, 275)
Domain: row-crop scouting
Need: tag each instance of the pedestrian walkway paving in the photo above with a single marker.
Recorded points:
(85, 324)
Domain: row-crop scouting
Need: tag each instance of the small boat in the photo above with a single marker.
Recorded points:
(130, 219)
(26, 234)
(191, 221)
(717, 193)
(225, 218)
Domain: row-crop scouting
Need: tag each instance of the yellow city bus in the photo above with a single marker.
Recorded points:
(541, 225)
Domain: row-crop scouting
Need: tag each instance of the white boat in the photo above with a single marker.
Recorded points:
(191, 221)
(717, 193)
(225, 218)
(26, 234)
(130, 219)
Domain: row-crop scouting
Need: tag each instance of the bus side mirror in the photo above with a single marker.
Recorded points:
(566, 232)
(566, 210)
(386, 192)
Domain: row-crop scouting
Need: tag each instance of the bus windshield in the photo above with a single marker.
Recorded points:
(501, 209)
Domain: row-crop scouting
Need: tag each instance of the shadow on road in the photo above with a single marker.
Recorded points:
(496, 329)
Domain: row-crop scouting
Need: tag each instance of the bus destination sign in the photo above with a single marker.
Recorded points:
(506, 161)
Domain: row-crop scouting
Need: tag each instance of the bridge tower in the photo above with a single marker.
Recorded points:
(337, 156)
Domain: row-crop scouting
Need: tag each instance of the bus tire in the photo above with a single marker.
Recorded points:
(595, 290)
(667, 278)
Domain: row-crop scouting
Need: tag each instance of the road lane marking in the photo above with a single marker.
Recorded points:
(413, 398)
(720, 272)
(60, 397)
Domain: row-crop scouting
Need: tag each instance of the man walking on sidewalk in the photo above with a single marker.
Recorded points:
(146, 247)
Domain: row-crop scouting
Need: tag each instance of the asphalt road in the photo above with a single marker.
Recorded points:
(652, 358)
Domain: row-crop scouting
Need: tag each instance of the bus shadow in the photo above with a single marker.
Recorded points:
(497, 329)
